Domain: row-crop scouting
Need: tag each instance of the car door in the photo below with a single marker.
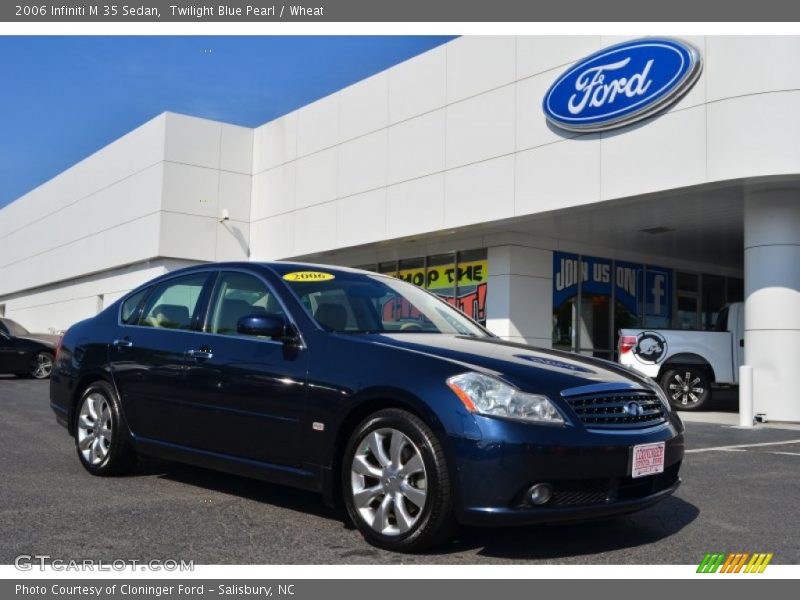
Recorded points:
(147, 358)
(248, 393)
(11, 355)
(15, 353)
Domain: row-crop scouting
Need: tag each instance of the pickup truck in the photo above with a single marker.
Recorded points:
(687, 363)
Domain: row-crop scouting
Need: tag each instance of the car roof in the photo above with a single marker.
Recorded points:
(279, 268)
(282, 267)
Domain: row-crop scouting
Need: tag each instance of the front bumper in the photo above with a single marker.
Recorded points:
(589, 470)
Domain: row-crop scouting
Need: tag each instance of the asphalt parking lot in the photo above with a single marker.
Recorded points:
(732, 499)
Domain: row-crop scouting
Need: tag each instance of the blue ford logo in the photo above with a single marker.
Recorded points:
(622, 84)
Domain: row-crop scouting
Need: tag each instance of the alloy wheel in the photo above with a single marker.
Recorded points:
(389, 482)
(94, 429)
(684, 389)
(41, 366)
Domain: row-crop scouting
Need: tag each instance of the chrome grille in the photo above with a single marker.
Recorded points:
(623, 410)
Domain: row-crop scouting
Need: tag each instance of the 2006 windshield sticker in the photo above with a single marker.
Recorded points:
(311, 276)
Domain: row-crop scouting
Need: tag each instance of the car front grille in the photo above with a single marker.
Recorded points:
(576, 493)
(621, 410)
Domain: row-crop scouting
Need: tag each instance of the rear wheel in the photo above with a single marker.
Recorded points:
(41, 365)
(688, 387)
(101, 435)
(396, 484)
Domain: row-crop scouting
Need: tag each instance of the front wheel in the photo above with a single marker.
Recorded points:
(101, 436)
(41, 365)
(687, 387)
(396, 484)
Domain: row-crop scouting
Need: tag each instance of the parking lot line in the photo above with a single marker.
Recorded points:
(734, 447)
(787, 453)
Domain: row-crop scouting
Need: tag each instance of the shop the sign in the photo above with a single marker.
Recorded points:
(622, 84)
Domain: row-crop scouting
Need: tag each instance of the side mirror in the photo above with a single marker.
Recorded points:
(265, 325)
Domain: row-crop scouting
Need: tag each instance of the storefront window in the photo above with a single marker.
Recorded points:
(687, 301)
(459, 278)
(595, 282)
(657, 297)
(388, 268)
(412, 270)
(565, 298)
(472, 275)
(735, 290)
(713, 293)
(612, 295)
(440, 277)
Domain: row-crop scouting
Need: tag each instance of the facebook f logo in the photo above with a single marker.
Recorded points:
(658, 293)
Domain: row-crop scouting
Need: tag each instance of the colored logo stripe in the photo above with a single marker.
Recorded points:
(711, 562)
(735, 562)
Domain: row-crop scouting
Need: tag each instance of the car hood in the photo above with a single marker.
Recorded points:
(45, 338)
(531, 369)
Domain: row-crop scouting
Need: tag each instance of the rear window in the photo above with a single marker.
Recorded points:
(173, 303)
(129, 314)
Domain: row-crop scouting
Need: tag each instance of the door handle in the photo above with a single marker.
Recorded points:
(200, 354)
(122, 344)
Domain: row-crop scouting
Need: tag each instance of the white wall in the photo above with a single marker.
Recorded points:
(101, 213)
(206, 170)
(520, 297)
(158, 191)
(772, 301)
(456, 136)
(56, 307)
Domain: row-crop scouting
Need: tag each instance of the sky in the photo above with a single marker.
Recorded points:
(64, 98)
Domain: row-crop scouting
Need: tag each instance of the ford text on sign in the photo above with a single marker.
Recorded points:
(622, 84)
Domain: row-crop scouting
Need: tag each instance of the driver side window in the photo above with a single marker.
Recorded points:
(239, 295)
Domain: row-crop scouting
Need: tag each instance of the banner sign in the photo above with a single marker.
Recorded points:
(636, 287)
(445, 276)
(472, 278)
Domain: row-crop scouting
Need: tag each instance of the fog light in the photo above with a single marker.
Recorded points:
(540, 494)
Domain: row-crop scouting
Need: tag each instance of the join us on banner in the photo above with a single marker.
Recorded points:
(642, 290)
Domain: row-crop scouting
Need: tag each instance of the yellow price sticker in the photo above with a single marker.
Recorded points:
(309, 276)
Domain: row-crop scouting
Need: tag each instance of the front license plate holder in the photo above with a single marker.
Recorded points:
(647, 459)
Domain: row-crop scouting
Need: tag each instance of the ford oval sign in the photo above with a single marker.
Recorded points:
(622, 84)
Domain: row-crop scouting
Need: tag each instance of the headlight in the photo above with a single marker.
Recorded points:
(489, 396)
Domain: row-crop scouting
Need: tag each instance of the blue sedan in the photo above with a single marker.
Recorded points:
(367, 389)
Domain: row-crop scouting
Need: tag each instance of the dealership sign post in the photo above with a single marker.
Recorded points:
(622, 84)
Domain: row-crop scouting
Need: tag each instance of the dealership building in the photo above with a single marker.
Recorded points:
(446, 171)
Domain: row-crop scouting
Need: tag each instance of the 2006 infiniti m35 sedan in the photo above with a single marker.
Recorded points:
(365, 388)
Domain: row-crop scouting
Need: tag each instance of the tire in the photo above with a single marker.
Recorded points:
(387, 511)
(109, 453)
(41, 365)
(688, 387)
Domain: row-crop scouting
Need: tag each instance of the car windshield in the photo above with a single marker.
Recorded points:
(357, 303)
(14, 328)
